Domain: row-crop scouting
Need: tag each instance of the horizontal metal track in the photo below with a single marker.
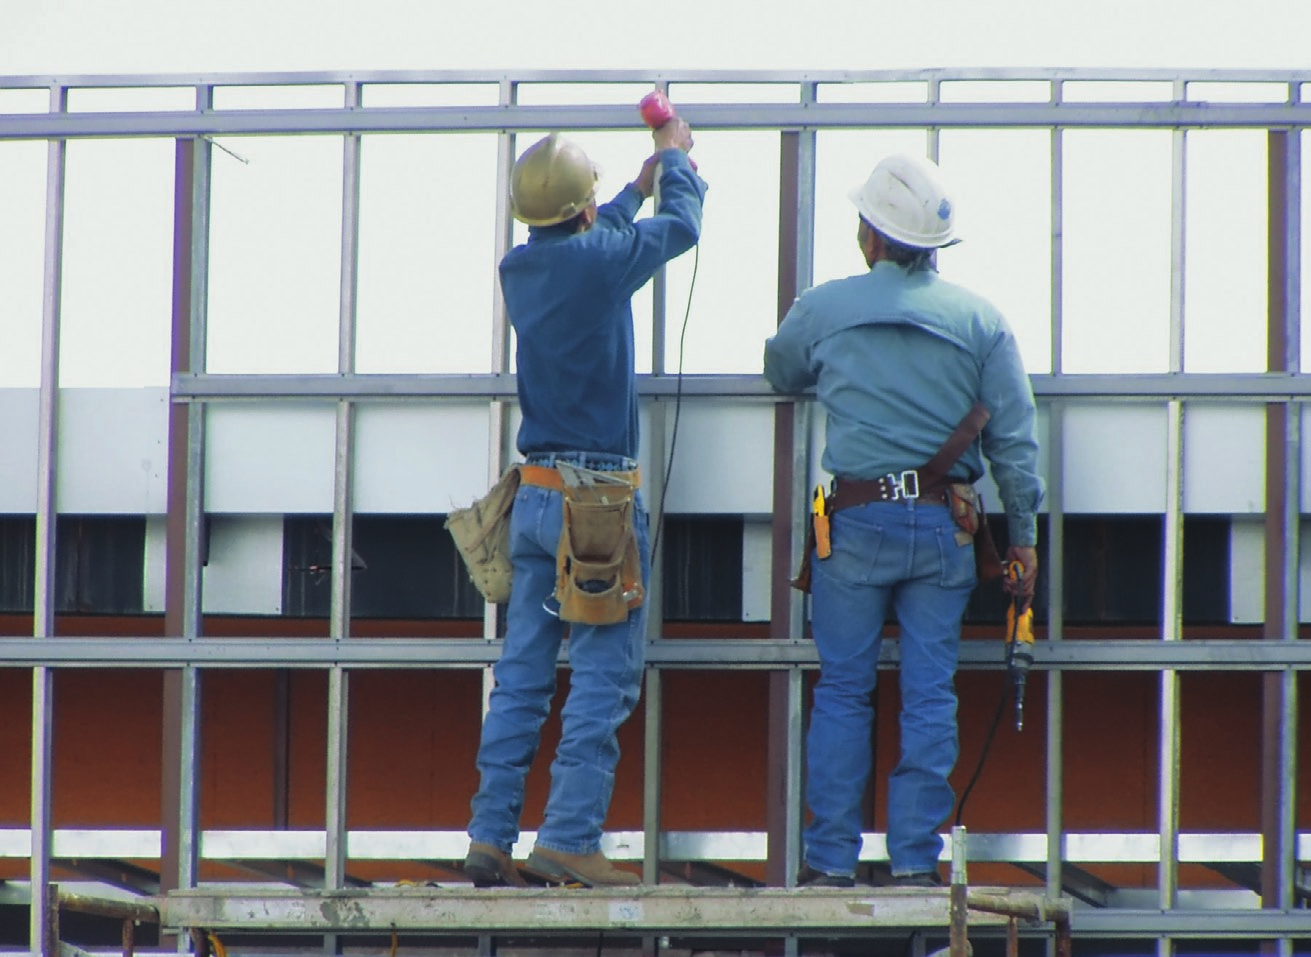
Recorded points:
(709, 116)
(281, 652)
(1234, 924)
(206, 387)
(793, 77)
(88, 844)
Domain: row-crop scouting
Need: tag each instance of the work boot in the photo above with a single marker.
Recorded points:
(488, 866)
(917, 879)
(809, 877)
(590, 870)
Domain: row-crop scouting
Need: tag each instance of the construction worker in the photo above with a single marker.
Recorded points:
(567, 291)
(898, 357)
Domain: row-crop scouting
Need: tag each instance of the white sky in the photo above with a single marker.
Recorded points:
(117, 36)
(259, 221)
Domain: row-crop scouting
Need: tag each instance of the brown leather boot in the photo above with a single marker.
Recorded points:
(488, 866)
(590, 870)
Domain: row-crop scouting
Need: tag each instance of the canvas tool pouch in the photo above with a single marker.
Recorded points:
(598, 568)
(482, 536)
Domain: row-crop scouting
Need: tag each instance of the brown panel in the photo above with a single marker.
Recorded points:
(413, 741)
(715, 750)
(236, 746)
(16, 747)
(107, 744)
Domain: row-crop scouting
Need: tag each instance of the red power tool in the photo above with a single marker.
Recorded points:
(656, 111)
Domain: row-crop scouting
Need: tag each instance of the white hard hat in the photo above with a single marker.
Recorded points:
(552, 181)
(905, 200)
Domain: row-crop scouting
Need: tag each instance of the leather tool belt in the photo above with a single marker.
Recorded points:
(546, 476)
(482, 536)
(893, 487)
(928, 484)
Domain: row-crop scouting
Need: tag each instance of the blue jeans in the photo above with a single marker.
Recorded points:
(905, 556)
(606, 675)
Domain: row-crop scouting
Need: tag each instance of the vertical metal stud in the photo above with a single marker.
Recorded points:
(652, 778)
(1280, 705)
(43, 619)
(1055, 765)
(1172, 546)
(657, 439)
(180, 771)
(499, 439)
(335, 783)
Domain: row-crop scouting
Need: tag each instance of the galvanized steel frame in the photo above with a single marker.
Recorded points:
(187, 654)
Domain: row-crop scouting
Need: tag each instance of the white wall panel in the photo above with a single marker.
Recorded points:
(243, 575)
(1247, 571)
(1305, 497)
(723, 459)
(420, 458)
(1224, 458)
(266, 458)
(757, 571)
(18, 438)
(112, 451)
(1115, 459)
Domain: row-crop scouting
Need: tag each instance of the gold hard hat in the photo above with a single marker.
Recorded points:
(552, 181)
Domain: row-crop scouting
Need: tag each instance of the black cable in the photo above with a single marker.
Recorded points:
(678, 404)
(996, 720)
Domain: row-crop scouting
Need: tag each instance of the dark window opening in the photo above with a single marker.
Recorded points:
(1113, 571)
(99, 564)
(702, 568)
(402, 566)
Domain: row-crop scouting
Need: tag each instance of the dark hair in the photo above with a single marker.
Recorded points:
(913, 258)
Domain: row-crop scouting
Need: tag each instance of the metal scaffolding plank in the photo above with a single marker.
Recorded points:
(555, 910)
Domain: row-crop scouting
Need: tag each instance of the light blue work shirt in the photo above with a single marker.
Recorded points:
(897, 358)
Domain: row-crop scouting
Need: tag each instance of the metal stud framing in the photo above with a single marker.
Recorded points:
(185, 654)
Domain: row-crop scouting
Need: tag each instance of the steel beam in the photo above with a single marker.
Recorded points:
(662, 77)
(1255, 387)
(281, 652)
(707, 116)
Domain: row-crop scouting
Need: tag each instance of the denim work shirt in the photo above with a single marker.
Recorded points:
(569, 299)
(897, 358)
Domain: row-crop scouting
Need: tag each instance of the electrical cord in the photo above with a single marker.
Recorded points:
(678, 405)
(992, 731)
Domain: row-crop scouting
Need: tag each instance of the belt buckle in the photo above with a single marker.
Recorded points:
(906, 485)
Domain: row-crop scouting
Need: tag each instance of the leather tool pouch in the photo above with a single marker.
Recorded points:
(967, 510)
(802, 581)
(598, 568)
(482, 536)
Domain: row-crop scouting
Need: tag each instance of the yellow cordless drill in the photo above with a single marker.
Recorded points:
(1019, 645)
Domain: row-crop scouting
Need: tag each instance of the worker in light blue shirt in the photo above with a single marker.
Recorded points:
(898, 357)
(567, 293)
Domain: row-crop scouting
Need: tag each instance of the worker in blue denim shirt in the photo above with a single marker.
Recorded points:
(567, 291)
(898, 357)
